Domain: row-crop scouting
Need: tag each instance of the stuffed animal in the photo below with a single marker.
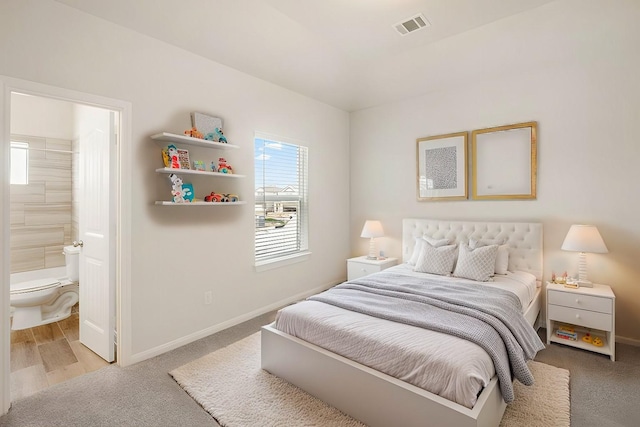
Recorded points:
(230, 198)
(223, 166)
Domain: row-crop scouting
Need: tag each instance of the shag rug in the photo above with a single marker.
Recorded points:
(230, 385)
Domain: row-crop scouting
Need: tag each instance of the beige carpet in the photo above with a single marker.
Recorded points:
(230, 386)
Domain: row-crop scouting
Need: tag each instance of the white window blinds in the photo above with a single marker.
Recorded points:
(281, 210)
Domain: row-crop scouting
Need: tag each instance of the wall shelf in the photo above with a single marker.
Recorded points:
(196, 142)
(184, 139)
(167, 203)
(197, 172)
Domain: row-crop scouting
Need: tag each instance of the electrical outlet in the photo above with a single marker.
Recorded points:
(208, 297)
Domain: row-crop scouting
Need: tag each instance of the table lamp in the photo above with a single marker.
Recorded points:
(371, 230)
(584, 238)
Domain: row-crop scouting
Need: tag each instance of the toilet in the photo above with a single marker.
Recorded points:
(42, 301)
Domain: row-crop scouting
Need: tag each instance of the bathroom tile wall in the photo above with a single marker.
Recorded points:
(41, 210)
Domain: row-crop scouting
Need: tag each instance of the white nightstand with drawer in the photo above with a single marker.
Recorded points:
(588, 310)
(361, 266)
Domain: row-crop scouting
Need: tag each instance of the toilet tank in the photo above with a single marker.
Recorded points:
(72, 260)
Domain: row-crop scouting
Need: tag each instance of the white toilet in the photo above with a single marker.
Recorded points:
(42, 301)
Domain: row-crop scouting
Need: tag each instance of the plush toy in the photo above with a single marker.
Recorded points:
(172, 152)
(194, 133)
(230, 198)
(223, 167)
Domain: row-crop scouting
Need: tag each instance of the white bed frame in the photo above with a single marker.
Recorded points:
(378, 399)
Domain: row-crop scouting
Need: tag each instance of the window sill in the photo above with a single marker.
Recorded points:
(282, 261)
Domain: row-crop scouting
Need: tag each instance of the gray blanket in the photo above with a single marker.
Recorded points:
(488, 317)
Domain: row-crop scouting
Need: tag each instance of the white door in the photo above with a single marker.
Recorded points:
(97, 143)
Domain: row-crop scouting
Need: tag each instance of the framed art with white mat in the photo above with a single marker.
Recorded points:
(442, 167)
(504, 162)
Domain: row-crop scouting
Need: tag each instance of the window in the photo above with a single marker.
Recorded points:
(19, 163)
(281, 209)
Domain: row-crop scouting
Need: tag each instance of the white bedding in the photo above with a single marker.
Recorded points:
(451, 367)
(521, 283)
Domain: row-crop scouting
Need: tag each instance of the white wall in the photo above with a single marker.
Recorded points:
(45, 117)
(583, 91)
(179, 253)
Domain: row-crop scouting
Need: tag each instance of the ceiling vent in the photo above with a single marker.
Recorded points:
(412, 24)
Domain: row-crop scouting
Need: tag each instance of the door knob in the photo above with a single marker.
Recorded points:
(78, 243)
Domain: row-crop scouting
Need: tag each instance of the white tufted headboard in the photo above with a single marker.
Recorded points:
(524, 239)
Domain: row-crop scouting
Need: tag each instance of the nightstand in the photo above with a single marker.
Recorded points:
(361, 266)
(591, 310)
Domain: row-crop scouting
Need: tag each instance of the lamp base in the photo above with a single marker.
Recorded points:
(372, 249)
(583, 282)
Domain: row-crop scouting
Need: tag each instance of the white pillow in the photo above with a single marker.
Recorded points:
(436, 260)
(476, 264)
(418, 246)
(502, 259)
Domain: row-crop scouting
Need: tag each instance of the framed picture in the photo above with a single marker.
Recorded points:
(504, 162)
(442, 167)
(205, 123)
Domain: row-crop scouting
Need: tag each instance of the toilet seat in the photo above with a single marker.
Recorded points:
(34, 286)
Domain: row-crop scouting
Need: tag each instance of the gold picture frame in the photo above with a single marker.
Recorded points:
(441, 166)
(504, 162)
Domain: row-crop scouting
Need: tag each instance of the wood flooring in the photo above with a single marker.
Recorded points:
(49, 354)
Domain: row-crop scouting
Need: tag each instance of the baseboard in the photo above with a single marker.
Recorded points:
(625, 340)
(156, 351)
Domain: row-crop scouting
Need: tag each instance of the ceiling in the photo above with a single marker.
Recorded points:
(345, 53)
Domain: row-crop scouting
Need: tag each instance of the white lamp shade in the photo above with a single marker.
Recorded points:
(372, 229)
(584, 238)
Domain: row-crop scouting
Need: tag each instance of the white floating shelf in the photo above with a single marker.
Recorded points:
(166, 203)
(184, 139)
(197, 172)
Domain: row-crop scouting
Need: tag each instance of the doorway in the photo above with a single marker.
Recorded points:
(60, 195)
(101, 272)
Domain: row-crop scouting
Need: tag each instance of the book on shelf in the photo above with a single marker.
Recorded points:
(567, 328)
(567, 335)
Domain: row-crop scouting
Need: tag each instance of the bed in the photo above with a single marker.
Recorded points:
(380, 399)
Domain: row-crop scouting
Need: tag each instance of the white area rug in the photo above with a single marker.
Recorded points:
(230, 385)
